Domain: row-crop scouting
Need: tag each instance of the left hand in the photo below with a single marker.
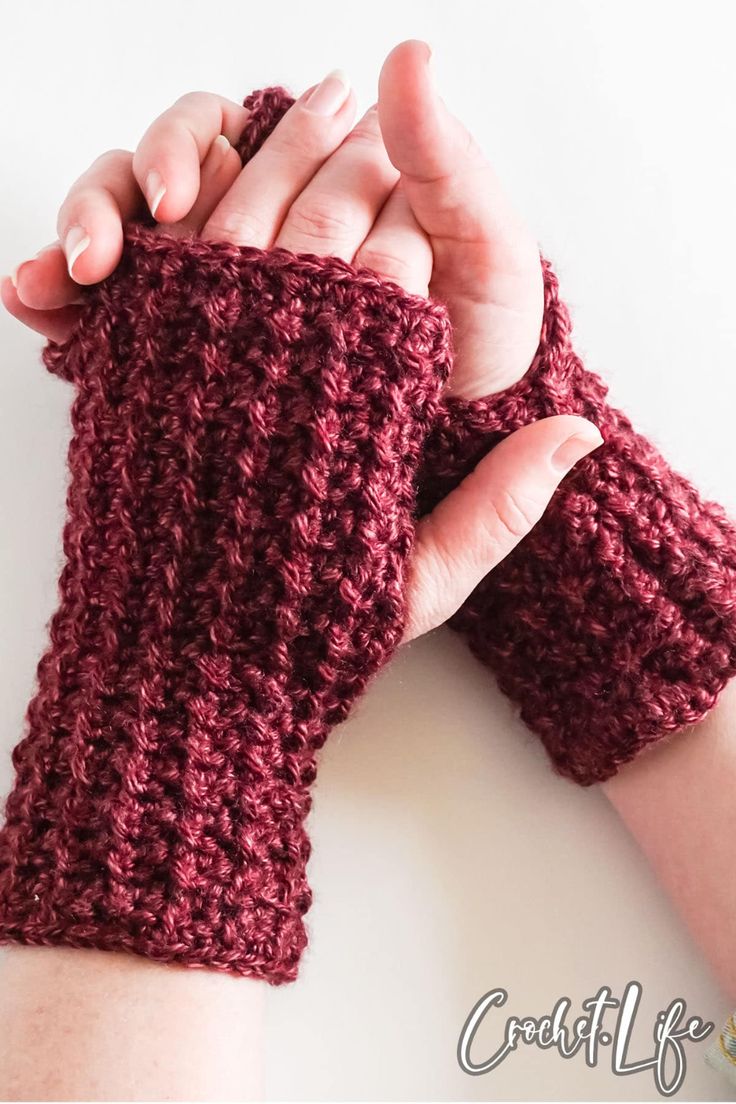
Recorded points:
(409, 196)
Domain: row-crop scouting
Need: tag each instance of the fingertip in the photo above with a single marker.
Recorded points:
(231, 164)
(8, 294)
(555, 431)
(166, 163)
(92, 257)
(543, 450)
(484, 518)
(154, 189)
(567, 424)
(53, 325)
(42, 283)
(170, 185)
(405, 53)
(345, 114)
(576, 445)
(220, 169)
(90, 228)
(413, 118)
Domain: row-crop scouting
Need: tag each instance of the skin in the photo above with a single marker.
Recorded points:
(407, 192)
(677, 802)
(404, 191)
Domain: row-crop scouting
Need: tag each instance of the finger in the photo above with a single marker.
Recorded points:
(167, 160)
(397, 248)
(339, 205)
(482, 520)
(44, 283)
(90, 220)
(255, 207)
(56, 325)
(486, 261)
(90, 230)
(451, 186)
(220, 170)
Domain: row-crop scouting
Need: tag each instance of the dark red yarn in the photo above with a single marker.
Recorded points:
(247, 434)
(614, 622)
(247, 431)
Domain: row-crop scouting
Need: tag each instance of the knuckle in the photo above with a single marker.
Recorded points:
(470, 151)
(514, 513)
(433, 579)
(81, 196)
(366, 131)
(385, 263)
(95, 180)
(194, 99)
(426, 605)
(238, 228)
(320, 218)
(298, 146)
(113, 159)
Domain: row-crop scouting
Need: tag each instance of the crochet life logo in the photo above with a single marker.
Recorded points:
(671, 1033)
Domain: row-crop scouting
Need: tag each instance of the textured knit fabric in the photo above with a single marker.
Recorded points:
(247, 430)
(614, 622)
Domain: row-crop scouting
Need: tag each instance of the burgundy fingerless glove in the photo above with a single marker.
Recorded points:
(614, 622)
(247, 431)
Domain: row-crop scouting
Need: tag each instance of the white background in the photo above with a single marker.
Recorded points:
(448, 858)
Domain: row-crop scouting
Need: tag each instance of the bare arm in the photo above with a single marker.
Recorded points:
(677, 801)
(88, 1025)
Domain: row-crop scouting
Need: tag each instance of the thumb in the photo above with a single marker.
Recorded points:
(453, 191)
(483, 519)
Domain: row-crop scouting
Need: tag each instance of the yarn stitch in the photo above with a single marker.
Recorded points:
(613, 623)
(247, 430)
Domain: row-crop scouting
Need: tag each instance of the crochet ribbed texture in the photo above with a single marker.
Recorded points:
(614, 622)
(250, 428)
(247, 431)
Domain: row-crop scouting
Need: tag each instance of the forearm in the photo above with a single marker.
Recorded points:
(677, 801)
(88, 1025)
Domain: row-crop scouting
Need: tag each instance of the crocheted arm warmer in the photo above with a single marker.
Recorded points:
(247, 430)
(614, 622)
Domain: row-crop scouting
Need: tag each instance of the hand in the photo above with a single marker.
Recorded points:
(486, 260)
(410, 197)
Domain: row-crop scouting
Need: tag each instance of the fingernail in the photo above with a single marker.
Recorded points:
(222, 144)
(76, 241)
(575, 448)
(329, 96)
(155, 190)
(14, 274)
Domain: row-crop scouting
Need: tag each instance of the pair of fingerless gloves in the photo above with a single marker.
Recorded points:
(255, 434)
